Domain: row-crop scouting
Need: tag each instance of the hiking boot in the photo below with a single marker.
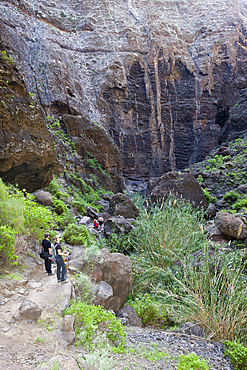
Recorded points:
(59, 281)
(50, 274)
(64, 281)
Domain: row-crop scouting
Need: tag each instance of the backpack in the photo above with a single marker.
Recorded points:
(53, 252)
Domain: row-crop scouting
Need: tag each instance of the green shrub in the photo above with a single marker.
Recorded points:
(209, 197)
(192, 362)
(237, 354)
(7, 245)
(77, 234)
(87, 320)
(65, 219)
(231, 196)
(59, 206)
(84, 287)
(242, 203)
(38, 219)
(150, 311)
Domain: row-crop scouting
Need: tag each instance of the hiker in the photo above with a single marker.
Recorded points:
(95, 224)
(245, 245)
(60, 261)
(101, 220)
(46, 244)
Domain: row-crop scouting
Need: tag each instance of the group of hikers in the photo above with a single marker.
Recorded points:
(49, 252)
(54, 252)
(98, 223)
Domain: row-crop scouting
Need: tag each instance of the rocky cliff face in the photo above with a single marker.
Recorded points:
(27, 153)
(167, 79)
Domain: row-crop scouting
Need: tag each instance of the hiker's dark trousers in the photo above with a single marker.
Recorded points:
(60, 265)
(48, 265)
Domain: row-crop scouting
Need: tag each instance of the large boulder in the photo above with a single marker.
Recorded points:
(192, 329)
(121, 205)
(103, 293)
(231, 225)
(117, 272)
(179, 184)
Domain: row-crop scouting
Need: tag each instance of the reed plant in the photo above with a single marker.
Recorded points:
(213, 295)
(167, 232)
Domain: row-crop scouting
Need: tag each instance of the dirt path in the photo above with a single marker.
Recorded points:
(24, 343)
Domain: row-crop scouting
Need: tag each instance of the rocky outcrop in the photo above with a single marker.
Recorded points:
(181, 185)
(166, 79)
(27, 153)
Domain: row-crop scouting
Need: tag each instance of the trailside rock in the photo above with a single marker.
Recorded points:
(67, 334)
(44, 197)
(231, 225)
(29, 310)
(103, 293)
(129, 314)
(121, 205)
(117, 272)
(179, 184)
(211, 210)
(192, 329)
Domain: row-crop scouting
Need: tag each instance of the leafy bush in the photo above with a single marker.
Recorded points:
(150, 311)
(231, 196)
(208, 196)
(192, 362)
(242, 203)
(65, 219)
(87, 320)
(77, 234)
(237, 354)
(212, 293)
(7, 245)
(38, 219)
(59, 206)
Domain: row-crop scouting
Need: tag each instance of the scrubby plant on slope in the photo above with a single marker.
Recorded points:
(19, 214)
(77, 234)
(192, 362)
(237, 354)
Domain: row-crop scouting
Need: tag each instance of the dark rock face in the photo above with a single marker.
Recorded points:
(183, 184)
(26, 147)
(166, 79)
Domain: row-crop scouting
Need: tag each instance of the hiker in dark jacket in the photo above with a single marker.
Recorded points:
(60, 261)
(46, 244)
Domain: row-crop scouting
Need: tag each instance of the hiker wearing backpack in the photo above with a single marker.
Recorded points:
(46, 244)
(60, 261)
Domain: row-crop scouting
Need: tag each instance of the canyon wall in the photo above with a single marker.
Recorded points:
(166, 79)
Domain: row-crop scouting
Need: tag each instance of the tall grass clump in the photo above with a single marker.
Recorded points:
(212, 294)
(166, 233)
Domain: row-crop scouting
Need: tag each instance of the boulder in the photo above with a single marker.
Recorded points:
(61, 362)
(117, 225)
(85, 220)
(92, 212)
(44, 197)
(129, 314)
(182, 185)
(29, 310)
(66, 333)
(121, 205)
(117, 272)
(192, 329)
(211, 210)
(103, 293)
(231, 225)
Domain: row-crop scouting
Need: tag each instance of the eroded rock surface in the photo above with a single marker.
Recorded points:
(166, 79)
